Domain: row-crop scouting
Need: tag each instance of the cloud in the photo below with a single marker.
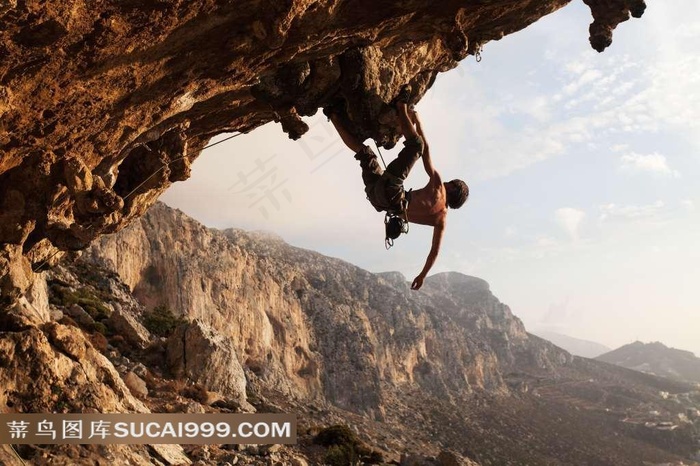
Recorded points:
(586, 77)
(653, 163)
(612, 211)
(689, 204)
(569, 219)
(619, 147)
(569, 100)
(587, 101)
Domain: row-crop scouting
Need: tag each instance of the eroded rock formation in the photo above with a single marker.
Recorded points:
(102, 106)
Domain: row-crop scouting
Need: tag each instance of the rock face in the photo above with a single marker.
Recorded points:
(103, 106)
(316, 327)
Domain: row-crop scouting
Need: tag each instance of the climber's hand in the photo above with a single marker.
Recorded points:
(417, 283)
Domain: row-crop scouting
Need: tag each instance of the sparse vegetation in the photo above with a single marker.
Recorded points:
(161, 321)
(336, 435)
(84, 297)
(65, 320)
(341, 455)
(99, 327)
(344, 448)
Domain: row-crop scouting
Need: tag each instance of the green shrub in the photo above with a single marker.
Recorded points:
(84, 297)
(340, 455)
(99, 327)
(161, 321)
(336, 435)
(344, 448)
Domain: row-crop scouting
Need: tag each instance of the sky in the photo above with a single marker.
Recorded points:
(584, 212)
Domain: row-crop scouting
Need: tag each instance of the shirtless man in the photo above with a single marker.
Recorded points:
(385, 191)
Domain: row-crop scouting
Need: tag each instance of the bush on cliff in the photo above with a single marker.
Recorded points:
(161, 321)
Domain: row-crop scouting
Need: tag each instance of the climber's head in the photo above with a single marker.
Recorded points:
(457, 193)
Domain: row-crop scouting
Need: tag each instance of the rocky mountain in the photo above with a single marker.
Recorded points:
(317, 326)
(656, 358)
(103, 106)
(575, 346)
(170, 316)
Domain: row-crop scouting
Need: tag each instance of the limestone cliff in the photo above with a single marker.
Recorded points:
(103, 105)
(318, 327)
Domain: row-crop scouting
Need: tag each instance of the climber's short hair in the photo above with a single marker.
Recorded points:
(457, 193)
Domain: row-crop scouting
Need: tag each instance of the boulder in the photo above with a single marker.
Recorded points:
(77, 313)
(299, 461)
(123, 321)
(38, 297)
(136, 385)
(172, 455)
(195, 351)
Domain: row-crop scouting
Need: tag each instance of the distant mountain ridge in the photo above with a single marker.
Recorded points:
(656, 358)
(575, 346)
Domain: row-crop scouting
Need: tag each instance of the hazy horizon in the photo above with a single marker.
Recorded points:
(581, 165)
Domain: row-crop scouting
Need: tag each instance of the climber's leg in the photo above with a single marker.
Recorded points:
(348, 138)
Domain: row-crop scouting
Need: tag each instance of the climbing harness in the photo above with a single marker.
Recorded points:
(395, 223)
(37, 268)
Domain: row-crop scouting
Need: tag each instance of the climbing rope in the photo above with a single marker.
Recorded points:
(380, 154)
(173, 161)
(35, 269)
(17, 454)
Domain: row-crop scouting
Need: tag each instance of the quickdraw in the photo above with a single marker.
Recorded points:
(396, 223)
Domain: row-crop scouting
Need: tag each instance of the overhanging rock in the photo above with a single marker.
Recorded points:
(103, 107)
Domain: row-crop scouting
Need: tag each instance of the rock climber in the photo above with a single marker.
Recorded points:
(385, 190)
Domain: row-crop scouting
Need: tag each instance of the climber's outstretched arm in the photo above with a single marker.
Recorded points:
(438, 231)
